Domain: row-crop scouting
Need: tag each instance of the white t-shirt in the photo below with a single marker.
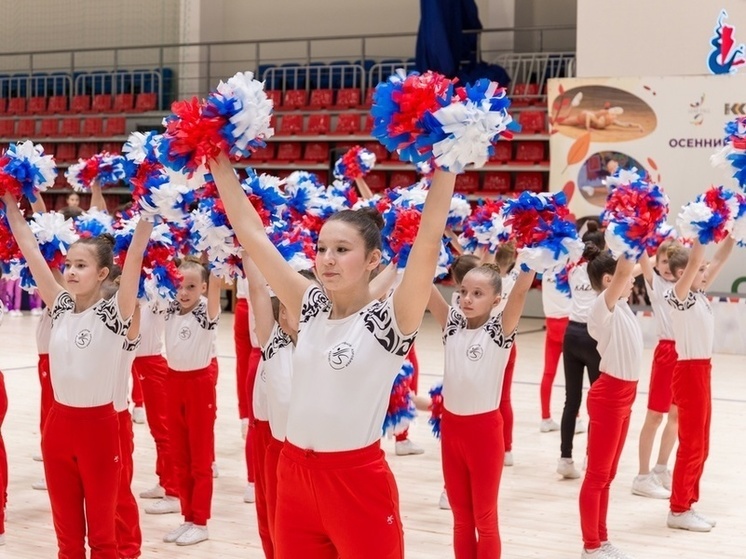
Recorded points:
(252, 329)
(619, 338)
(693, 325)
(582, 294)
(277, 357)
(475, 362)
(190, 337)
(259, 396)
(242, 288)
(152, 326)
(122, 382)
(43, 331)
(661, 309)
(343, 371)
(85, 351)
(556, 303)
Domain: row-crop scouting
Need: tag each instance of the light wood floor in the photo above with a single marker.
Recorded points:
(538, 512)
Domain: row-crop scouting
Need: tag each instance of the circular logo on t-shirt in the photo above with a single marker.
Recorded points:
(340, 356)
(83, 339)
(475, 352)
(185, 333)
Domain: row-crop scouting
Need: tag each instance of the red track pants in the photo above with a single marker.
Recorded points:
(609, 408)
(47, 394)
(152, 370)
(3, 456)
(191, 424)
(260, 441)
(506, 406)
(271, 459)
(693, 395)
(255, 355)
(412, 356)
(242, 341)
(138, 399)
(333, 505)
(82, 462)
(552, 352)
(129, 536)
(473, 455)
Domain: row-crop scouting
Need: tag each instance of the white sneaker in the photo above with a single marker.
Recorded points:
(37, 458)
(174, 534)
(215, 472)
(15, 313)
(407, 447)
(613, 551)
(167, 505)
(688, 520)
(193, 535)
(595, 554)
(709, 521)
(664, 476)
(40, 485)
(248, 494)
(580, 426)
(443, 503)
(648, 485)
(138, 415)
(155, 492)
(548, 425)
(244, 427)
(36, 312)
(508, 461)
(566, 468)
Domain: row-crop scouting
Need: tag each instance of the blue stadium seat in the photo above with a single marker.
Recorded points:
(342, 74)
(122, 81)
(294, 79)
(318, 75)
(39, 81)
(18, 85)
(59, 84)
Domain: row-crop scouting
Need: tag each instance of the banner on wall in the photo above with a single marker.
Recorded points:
(667, 127)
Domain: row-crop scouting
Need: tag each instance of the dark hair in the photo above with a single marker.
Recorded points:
(461, 265)
(71, 212)
(492, 273)
(678, 257)
(193, 263)
(103, 249)
(599, 265)
(367, 221)
(594, 235)
(111, 285)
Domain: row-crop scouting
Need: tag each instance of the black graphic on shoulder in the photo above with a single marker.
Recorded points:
(200, 313)
(64, 303)
(313, 304)
(108, 312)
(173, 308)
(379, 321)
(686, 304)
(494, 328)
(131, 345)
(456, 321)
(279, 340)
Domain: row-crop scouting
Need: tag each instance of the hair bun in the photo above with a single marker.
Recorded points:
(373, 214)
(591, 251)
(591, 225)
(108, 238)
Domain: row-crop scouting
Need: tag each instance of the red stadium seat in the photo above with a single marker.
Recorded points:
(368, 128)
(348, 98)
(532, 181)
(402, 178)
(532, 122)
(26, 128)
(37, 105)
(376, 180)
(3, 105)
(525, 94)
(70, 127)
(348, 123)
(111, 147)
(264, 154)
(294, 99)
(7, 128)
(146, 102)
(276, 96)
(57, 104)
(80, 104)
(87, 150)
(101, 103)
(319, 124)
(382, 154)
(289, 151)
(503, 152)
(497, 182)
(316, 152)
(467, 182)
(93, 126)
(321, 99)
(530, 152)
(290, 124)
(115, 126)
(369, 96)
(123, 102)
(16, 106)
(50, 127)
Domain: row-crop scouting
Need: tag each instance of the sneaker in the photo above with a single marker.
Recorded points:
(155, 492)
(595, 554)
(40, 485)
(548, 425)
(138, 415)
(244, 427)
(648, 485)
(688, 520)
(566, 468)
(15, 313)
(613, 551)
(167, 505)
(580, 426)
(407, 447)
(508, 461)
(37, 458)
(709, 521)
(248, 494)
(193, 535)
(215, 472)
(174, 534)
(664, 476)
(443, 503)
(36, 312)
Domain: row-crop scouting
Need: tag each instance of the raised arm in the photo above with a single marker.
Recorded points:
(213, 297)
(725, 247)
(134, 330)
(38, 206)
(45, 282)
(284, 281)
(130, 280)
(684, 283)
(438, 306)
(620, 281)
(453, 241)
(514, 306)
(413, 294)
(261, 302)
(363, 188)
(97, 197)
(646, 266)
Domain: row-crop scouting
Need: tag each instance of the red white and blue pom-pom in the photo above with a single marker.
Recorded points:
(545, 239)
(9, 249)
(400, 227)
(212, 233)
(165, 195)
(246, 111)
(160, 278)
(354, 164)
(662, 233)
(485, 228)
(633, 213)
(401, 410)
(739, 225)
(733, 153)
(304, 194)
(291, 243)
(105, 168)
(445, 259)
(265, 195)
(19, 269)
(54, 235)
(26, 171)
(142, 146)
(459, 212)
(342, 195)
(436, 409)
(93, 223)
(710, 217)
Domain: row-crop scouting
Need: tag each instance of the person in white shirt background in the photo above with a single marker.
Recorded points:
(3, 455)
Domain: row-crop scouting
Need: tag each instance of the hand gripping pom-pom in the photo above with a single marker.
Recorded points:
(54, 235)
(354, 164)
(25, 170)
(710, 217)
(104, 168)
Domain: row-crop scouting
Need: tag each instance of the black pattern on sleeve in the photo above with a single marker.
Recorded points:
(173, 308)
(455, 322)
(314, 303)
(494, 327)
(379, 320)
(686, 304)
(278, 340)
(131, 345)
(108, 312)
(200, 313)
(63, 304)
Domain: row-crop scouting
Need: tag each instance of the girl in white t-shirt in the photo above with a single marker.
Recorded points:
(191, 323)
(336, 494)
(80, 443)
(694, 332)
(3, 455)
(477, 349)
(615, 328)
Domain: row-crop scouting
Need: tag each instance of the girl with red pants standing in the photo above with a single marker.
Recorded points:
(694, 332)
(3, 455)
(191, 322)
(336, 495)
(43, 331)
(615, 328)
(477, 349)
(80, 442)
